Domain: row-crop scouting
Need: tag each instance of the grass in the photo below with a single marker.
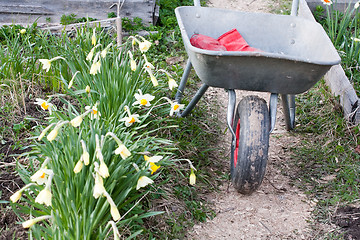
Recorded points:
(326, 163)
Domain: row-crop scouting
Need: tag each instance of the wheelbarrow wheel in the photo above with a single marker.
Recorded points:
(250, 149)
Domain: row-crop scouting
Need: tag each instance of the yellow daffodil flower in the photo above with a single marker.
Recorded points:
(192, 177)
(23, 31)
(123, 151)
(47, 62)
(153, 167)
(93, 38)
(31, 222)
(143, 99)
(143, 181)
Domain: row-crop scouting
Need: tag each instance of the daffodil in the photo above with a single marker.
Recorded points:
(144, 45)
(17, 195)
(99, 189)
(172, 84)
(149, 69)
(45, 195)
(45, 105)
(357, 4)
(143, 99)
(104, 52)
(132, 62)
(95, 114)
(33, 221)
(78, 166)
(72, 80)
(152, 160)
(43, 132)
(103, 169)
(93, 38)
(53, 134)
(91, 53)
(192, 177)
(355, 39)
(131, 118)
(75, 122)
(23, 31)
(175, 107)
(85, 157)
(113, 209)
(95, 68)
(47, 62)
(143, 181)
(123, 151)
(87, 89)
(40, 176)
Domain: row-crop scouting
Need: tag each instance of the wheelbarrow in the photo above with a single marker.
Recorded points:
(295, 54)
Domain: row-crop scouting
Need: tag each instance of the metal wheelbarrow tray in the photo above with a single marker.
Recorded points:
(296, 52)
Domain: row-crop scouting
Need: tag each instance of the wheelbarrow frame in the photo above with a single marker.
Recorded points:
(286, 91)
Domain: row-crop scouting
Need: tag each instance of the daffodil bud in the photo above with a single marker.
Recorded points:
(87, 89)
(76, 121)
(192, 177)
(78, 166)
(33, 221)
(44, 197)
(16, 196)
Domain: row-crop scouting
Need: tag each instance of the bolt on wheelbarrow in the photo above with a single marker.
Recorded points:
(295, 54)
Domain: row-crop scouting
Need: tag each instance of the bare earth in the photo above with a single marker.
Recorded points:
(276, 210)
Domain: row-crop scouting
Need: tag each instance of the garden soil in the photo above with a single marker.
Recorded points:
(277, 210)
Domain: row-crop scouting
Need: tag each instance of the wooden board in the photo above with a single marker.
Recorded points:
(43, 11)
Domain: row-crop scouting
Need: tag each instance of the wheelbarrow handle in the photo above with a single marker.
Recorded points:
(197, 3)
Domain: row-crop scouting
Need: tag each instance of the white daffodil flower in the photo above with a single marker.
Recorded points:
(143, 99)
(143, 181)
(131, 118)
(45, 105)
(47, 62)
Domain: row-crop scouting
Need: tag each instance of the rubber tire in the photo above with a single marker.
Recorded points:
(253, 125)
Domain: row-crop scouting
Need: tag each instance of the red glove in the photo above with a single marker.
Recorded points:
(233, 41)
(205, 42)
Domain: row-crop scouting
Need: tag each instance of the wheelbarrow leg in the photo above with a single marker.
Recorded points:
(183, 81)
(272, 110)
(195, 100)
(288, 102)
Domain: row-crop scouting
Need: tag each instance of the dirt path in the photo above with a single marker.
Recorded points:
(276, 210)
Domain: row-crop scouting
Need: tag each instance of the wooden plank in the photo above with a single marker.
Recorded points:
(337, 81)
(99, 10)
(25, 9)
